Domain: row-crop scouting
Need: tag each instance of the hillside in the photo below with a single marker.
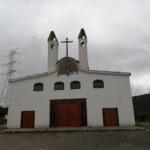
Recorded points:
(142, 107)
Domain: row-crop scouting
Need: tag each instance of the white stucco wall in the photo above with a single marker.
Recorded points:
(115, 94)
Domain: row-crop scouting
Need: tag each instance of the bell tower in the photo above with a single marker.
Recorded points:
(83, 56)
(52, 52)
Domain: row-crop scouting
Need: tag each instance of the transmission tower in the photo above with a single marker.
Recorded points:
(9, 75)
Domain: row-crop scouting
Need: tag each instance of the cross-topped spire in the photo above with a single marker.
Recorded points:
(66, 41)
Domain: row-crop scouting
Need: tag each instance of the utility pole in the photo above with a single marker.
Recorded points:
(9, 75)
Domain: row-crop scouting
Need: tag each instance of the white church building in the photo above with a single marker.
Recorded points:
(70, 94)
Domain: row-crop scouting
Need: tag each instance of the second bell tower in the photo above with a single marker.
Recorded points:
(52, 52)
(83, 56)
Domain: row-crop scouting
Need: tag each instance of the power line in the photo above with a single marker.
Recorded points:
(9, 75)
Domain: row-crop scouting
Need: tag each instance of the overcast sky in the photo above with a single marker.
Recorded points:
(118, 33)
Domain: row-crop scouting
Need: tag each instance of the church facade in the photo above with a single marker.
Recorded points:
(70, 95)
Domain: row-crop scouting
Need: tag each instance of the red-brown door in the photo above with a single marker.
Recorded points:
(68, 113)
(27, 119)
(110, 117)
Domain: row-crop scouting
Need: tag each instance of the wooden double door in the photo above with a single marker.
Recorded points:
(68, 113)
(110, 117)
(27, 119)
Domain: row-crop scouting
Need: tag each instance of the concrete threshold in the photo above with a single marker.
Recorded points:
(70, 129)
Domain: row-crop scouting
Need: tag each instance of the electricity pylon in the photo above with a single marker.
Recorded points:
(4, 100)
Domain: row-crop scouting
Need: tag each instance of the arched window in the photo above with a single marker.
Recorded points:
(38, 87)
(59, 86)
(98, 84)
(75, 85)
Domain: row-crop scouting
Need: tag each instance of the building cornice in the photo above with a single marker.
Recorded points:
(107, 72)
(32, 76)
(89, 71)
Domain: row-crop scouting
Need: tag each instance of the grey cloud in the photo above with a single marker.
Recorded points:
(118, 34)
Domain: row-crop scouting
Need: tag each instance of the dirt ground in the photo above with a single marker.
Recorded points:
(106, 140)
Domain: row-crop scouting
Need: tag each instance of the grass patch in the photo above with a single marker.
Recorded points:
(146, 125)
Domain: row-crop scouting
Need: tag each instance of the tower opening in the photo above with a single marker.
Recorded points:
(52, 45)
(82, 43)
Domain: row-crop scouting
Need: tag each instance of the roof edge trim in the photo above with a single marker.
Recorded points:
(31, 76)
(107, 72)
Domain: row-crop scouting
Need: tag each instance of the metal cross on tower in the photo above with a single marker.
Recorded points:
(66, 41)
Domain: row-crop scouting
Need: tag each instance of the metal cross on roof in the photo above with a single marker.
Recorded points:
(66, 41)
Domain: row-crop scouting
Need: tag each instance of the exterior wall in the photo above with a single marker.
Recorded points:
(116, 93)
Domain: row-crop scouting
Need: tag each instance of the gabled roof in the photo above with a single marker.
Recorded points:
(82, 33)
(52, 36)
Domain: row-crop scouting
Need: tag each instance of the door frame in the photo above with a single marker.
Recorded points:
(22, 117)
(104, 124)
(67, 100)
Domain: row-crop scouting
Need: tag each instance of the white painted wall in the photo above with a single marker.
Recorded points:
(116, 93)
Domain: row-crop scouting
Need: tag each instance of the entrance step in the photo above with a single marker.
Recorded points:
(71, 129)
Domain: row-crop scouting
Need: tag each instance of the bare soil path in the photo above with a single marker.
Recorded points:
(106, 140)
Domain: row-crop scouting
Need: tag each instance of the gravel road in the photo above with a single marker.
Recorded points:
(106, 140)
